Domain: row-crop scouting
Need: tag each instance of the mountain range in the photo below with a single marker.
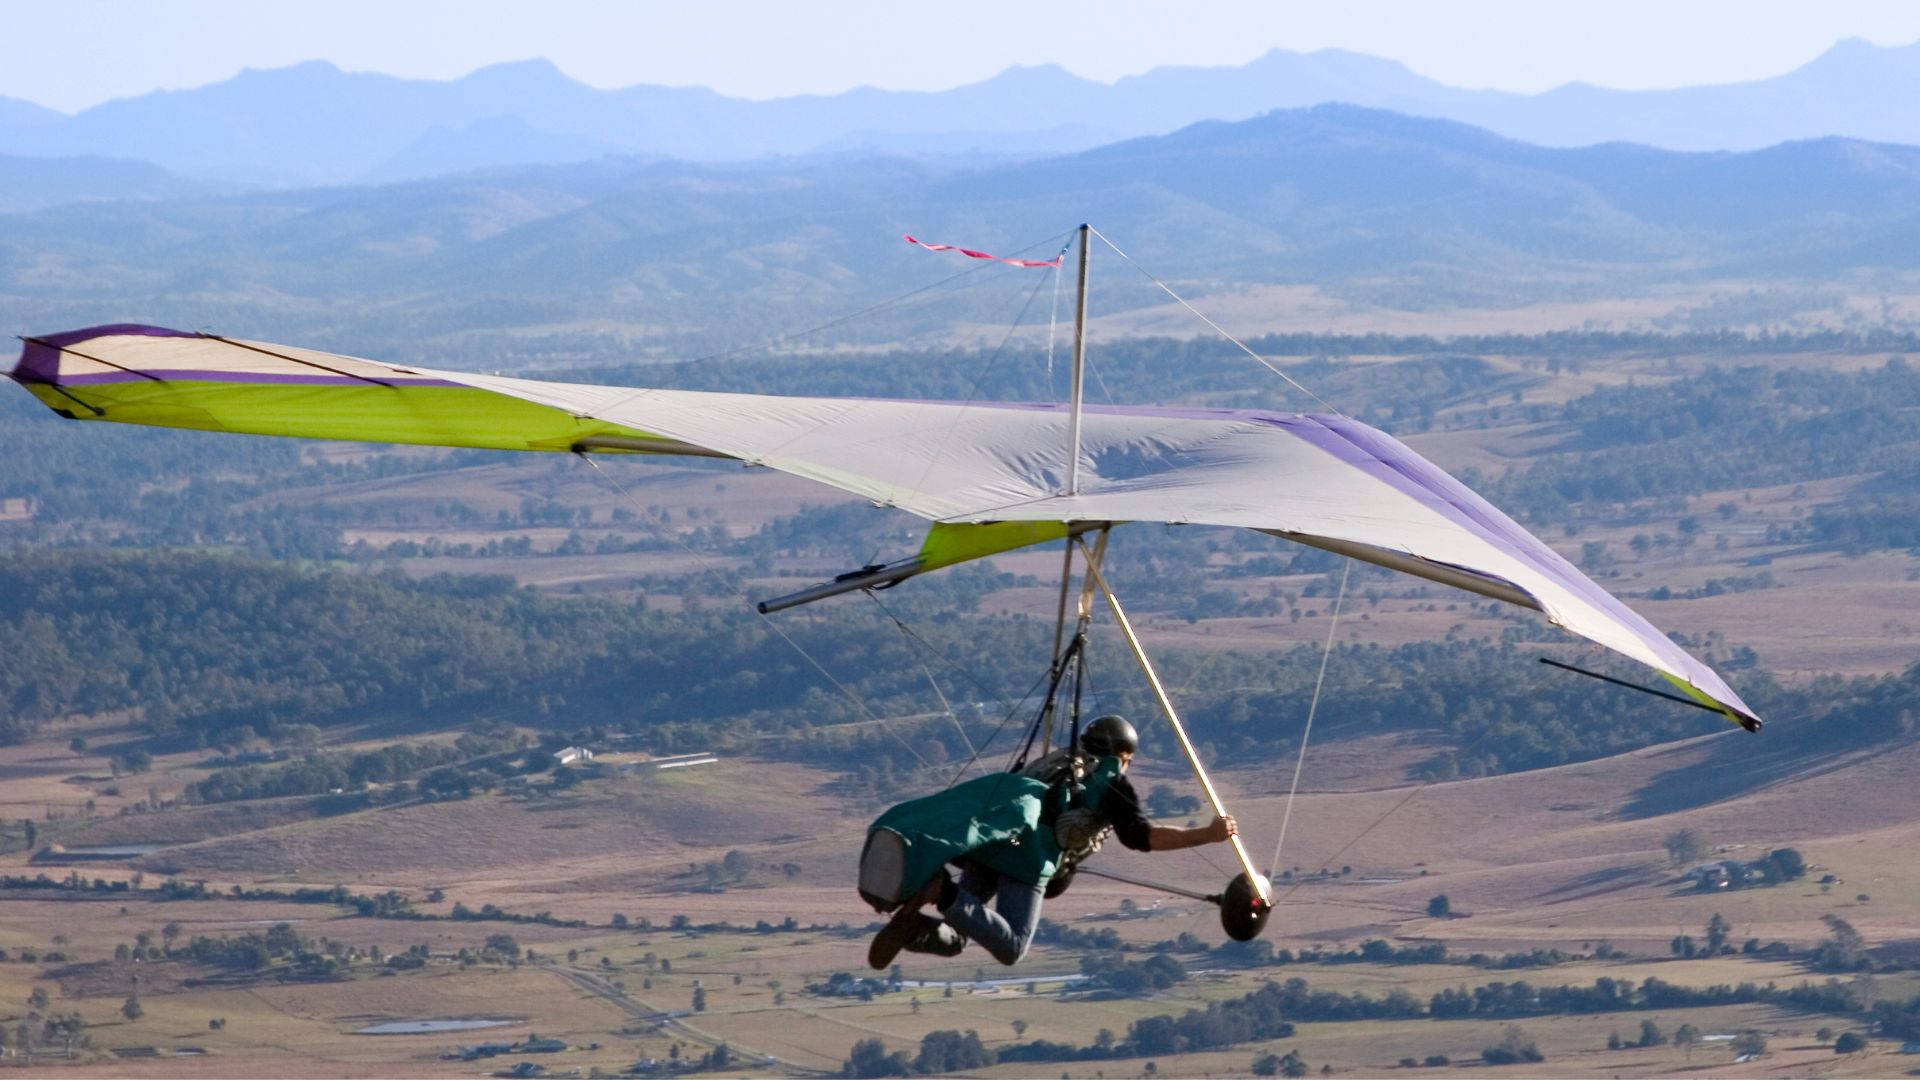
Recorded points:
(632, 255)
(315, 124)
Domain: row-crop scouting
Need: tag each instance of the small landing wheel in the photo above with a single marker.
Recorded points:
(1243, 914)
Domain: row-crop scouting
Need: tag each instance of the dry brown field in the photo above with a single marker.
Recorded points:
(1550, 858)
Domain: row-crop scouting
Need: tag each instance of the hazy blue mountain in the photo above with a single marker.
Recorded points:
(315, 124)
(494, 142)
(624, 256)
(1855, 89)
(980, 147)
(18, 115)
(310, 123)
(29, 183)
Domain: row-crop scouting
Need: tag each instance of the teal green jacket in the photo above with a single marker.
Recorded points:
(995, 819)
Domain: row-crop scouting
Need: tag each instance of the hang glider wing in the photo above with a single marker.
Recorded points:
(989, 475)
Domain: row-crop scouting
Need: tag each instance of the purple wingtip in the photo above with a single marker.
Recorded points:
(40, 353)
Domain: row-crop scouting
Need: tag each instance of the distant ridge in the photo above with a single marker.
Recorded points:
(315, 124)
(1364, 205)
(33, 183)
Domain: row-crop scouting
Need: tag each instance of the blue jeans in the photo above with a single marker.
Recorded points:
(1005, 931)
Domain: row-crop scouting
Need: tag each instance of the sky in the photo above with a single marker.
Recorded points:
(78, 53)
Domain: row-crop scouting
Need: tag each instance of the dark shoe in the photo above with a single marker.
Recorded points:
(905, 925)
(902, 928)
(936, 938)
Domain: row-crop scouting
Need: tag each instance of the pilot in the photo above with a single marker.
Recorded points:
(1013, 873)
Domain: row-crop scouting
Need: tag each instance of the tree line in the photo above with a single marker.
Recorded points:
(207, 647)
(1271, 1011)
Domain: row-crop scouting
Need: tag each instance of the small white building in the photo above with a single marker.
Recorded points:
(571, 754)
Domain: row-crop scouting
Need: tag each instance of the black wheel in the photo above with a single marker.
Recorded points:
(1242, 913)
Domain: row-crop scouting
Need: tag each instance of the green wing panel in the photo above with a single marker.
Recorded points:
(165, 378)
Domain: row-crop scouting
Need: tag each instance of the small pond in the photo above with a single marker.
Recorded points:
(428, 1027)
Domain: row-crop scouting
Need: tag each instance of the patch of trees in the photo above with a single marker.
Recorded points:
(1261, 953)
(493, 913)
(1505, 711)
(943, 1053)
(1684, 846)
(1249, 1018)
(1898, 1019)
(1722, 430)
(1883, 513)
(66, 1030)
(1164, 802)
(280, 946)
(1843, 949)
(1129, 978)
(1262, 1014)
(207, 646)
(1292, 1064)
(870, 1058)
(1513, 1048)
(1737, 583)
(1718, 941)
(323, 772)
(312, 775)
(73, 882)
(1502, 1000)
(387, 905)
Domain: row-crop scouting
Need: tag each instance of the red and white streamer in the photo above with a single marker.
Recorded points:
(971, 254)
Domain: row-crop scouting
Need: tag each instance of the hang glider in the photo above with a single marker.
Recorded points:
(990, 476)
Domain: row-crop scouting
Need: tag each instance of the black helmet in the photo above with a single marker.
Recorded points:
(1109, 736)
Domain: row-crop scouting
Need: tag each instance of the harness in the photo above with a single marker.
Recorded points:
(1076, 784)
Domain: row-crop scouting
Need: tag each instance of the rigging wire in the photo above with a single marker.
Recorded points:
(932, 649)
(948, 706)
(1313, 706)
(1319, 682)
(789, 335)
(777, 339)
(1217, 328)
(1019, 706)
(928, 672)
(774, 626)
(1392, 810)
(1018, 703)
(973, 392)
(1053, 317)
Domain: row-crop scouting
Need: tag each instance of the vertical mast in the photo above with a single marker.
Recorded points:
(1079, 371)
